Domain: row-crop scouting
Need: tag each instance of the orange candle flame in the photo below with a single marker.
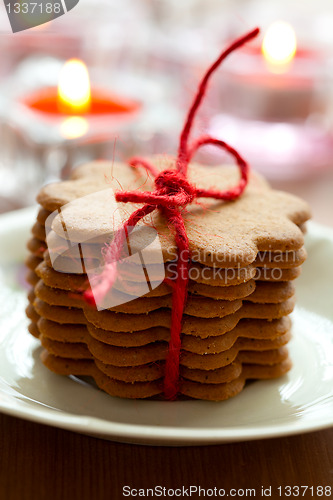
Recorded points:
(279, 46)
(74, 95)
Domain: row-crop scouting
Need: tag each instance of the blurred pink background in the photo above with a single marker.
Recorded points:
(153, 52)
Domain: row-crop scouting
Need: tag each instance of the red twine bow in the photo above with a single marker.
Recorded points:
(172, 192)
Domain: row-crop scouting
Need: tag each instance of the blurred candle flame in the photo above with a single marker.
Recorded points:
(74, 127)
(279, 46)
(74, 94)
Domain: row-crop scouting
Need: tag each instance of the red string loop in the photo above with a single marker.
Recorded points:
(232, 193)
(183, 156)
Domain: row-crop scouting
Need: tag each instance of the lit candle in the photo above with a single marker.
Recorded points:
(52, 120)
(277, 81)
(274, 100)
(78, 110)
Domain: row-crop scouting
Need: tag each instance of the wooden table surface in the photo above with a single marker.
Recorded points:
(40, 462)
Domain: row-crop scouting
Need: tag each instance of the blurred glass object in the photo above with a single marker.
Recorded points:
(276, 107)
(39, 147)
(282, 151)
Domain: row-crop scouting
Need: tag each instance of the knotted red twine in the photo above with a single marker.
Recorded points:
(172, 193)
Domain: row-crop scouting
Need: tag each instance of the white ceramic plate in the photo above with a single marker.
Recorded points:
(299, 402)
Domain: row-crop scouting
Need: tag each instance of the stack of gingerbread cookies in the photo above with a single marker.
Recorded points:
(244, 257)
